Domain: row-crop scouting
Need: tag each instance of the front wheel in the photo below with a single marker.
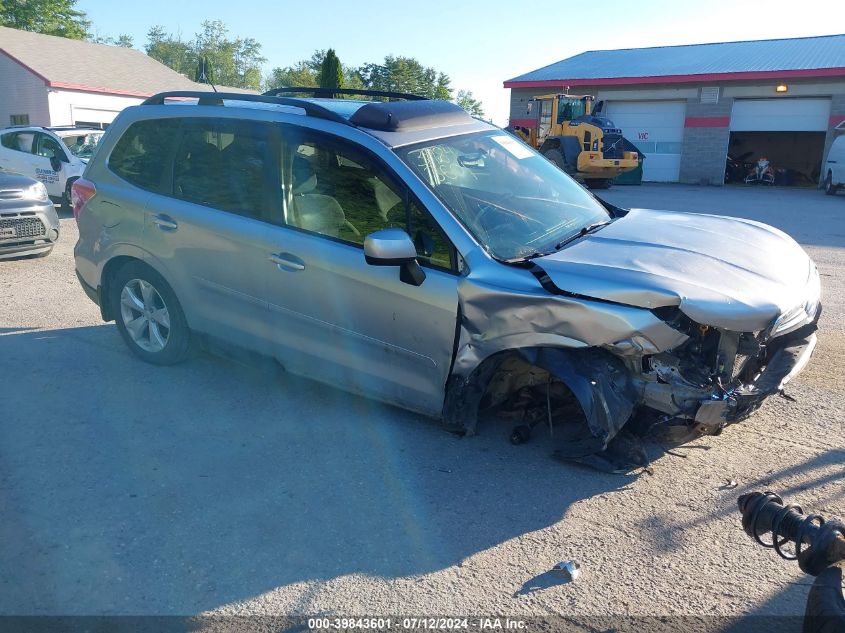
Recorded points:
(829, 187)
(149, 316)
(66, 199)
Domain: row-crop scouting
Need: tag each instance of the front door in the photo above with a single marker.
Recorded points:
(50, 160)
(336, 318)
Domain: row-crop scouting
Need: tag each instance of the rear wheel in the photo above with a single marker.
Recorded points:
(149, 316)
(829, 187)
(599, 183)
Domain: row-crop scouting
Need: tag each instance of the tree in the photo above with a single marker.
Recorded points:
(406, 74)
(300, 74)
(231, 62)
(469, 103)
(51, 17)
(123, 40)
(305, 73)
(170, 50)
(331, 71)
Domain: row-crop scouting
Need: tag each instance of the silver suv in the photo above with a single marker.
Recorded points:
(409, 252)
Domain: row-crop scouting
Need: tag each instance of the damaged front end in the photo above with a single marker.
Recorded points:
(586, 368)
(717, 376)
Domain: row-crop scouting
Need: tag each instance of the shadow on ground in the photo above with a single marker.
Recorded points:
(128, 488)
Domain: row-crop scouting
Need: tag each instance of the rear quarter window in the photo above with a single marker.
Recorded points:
(143, 152)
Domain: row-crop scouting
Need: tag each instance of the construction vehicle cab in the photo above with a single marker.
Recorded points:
(577, 139)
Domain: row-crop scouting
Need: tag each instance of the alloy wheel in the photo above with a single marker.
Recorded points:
(145, 315)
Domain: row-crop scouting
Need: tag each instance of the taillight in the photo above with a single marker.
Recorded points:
(81, 192)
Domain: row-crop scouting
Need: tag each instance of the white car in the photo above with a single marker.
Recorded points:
(56, 156)
(834, 170)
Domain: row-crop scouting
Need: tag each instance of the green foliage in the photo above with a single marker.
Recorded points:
(231, 62)
(51, 17)
(305, 73)
(170, 51)
(406, 74)
(331, 71)
(469, 103)
(123, 40)
(397, 74)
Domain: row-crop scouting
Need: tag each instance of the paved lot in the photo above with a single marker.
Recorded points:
(126, 488)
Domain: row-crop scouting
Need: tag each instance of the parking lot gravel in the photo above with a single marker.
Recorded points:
(217, 487)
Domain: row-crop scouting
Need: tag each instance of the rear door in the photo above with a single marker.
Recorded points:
(209, 225)
(16, 153)
(333, 316)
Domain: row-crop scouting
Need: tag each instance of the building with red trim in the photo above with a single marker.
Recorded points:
(688, 107)
(50, 81)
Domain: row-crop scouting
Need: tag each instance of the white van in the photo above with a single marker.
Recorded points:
(834, 169)
(55, 156)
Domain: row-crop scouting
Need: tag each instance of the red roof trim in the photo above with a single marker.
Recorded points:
(24, 66)
(680, 79)
(111, 91)
(707, 121)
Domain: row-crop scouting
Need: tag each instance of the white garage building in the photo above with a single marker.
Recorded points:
(52, 81)
(687, 107)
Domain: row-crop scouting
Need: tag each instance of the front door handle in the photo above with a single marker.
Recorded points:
(165, 223)
(287, 261)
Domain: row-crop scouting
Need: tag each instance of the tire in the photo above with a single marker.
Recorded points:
(599, 183)
(555, 157)
(829, 187)
(67, 207)
(160, 334)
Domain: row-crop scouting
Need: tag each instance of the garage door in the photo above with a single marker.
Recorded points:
(657, 129)
(780, 115)
(92, 115)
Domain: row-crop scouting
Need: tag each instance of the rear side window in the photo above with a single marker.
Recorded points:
(143, 151)
(227, 164)
(19, 141)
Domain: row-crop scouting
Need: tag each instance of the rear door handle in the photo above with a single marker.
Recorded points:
(287, 261)
(165, 223)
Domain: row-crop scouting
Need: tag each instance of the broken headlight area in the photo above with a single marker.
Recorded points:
(717, 376)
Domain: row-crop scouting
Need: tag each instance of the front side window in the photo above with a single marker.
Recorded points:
(47, 147)
(225, 164)
(339, 191)
(515, 202)
(141, 154)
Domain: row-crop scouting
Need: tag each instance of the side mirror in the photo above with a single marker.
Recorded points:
(394, 247)
(55, 163)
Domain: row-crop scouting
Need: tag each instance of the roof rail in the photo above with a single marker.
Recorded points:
(217, 98)
(329, 93)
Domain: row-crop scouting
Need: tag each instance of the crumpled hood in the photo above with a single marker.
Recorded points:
(726, 272)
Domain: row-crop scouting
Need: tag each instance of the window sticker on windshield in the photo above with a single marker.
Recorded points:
(513, 146)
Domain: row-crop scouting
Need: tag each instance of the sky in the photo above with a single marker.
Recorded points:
(478, 44)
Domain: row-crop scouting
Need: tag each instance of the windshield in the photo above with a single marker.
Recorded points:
(83, 144)
(515, 202)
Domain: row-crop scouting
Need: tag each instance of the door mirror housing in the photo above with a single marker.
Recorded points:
(394, 247)
(55, 163)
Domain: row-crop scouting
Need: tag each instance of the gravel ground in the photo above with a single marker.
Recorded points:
(130, 489)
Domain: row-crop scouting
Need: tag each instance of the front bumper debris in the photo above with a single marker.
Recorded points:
(738, 403)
